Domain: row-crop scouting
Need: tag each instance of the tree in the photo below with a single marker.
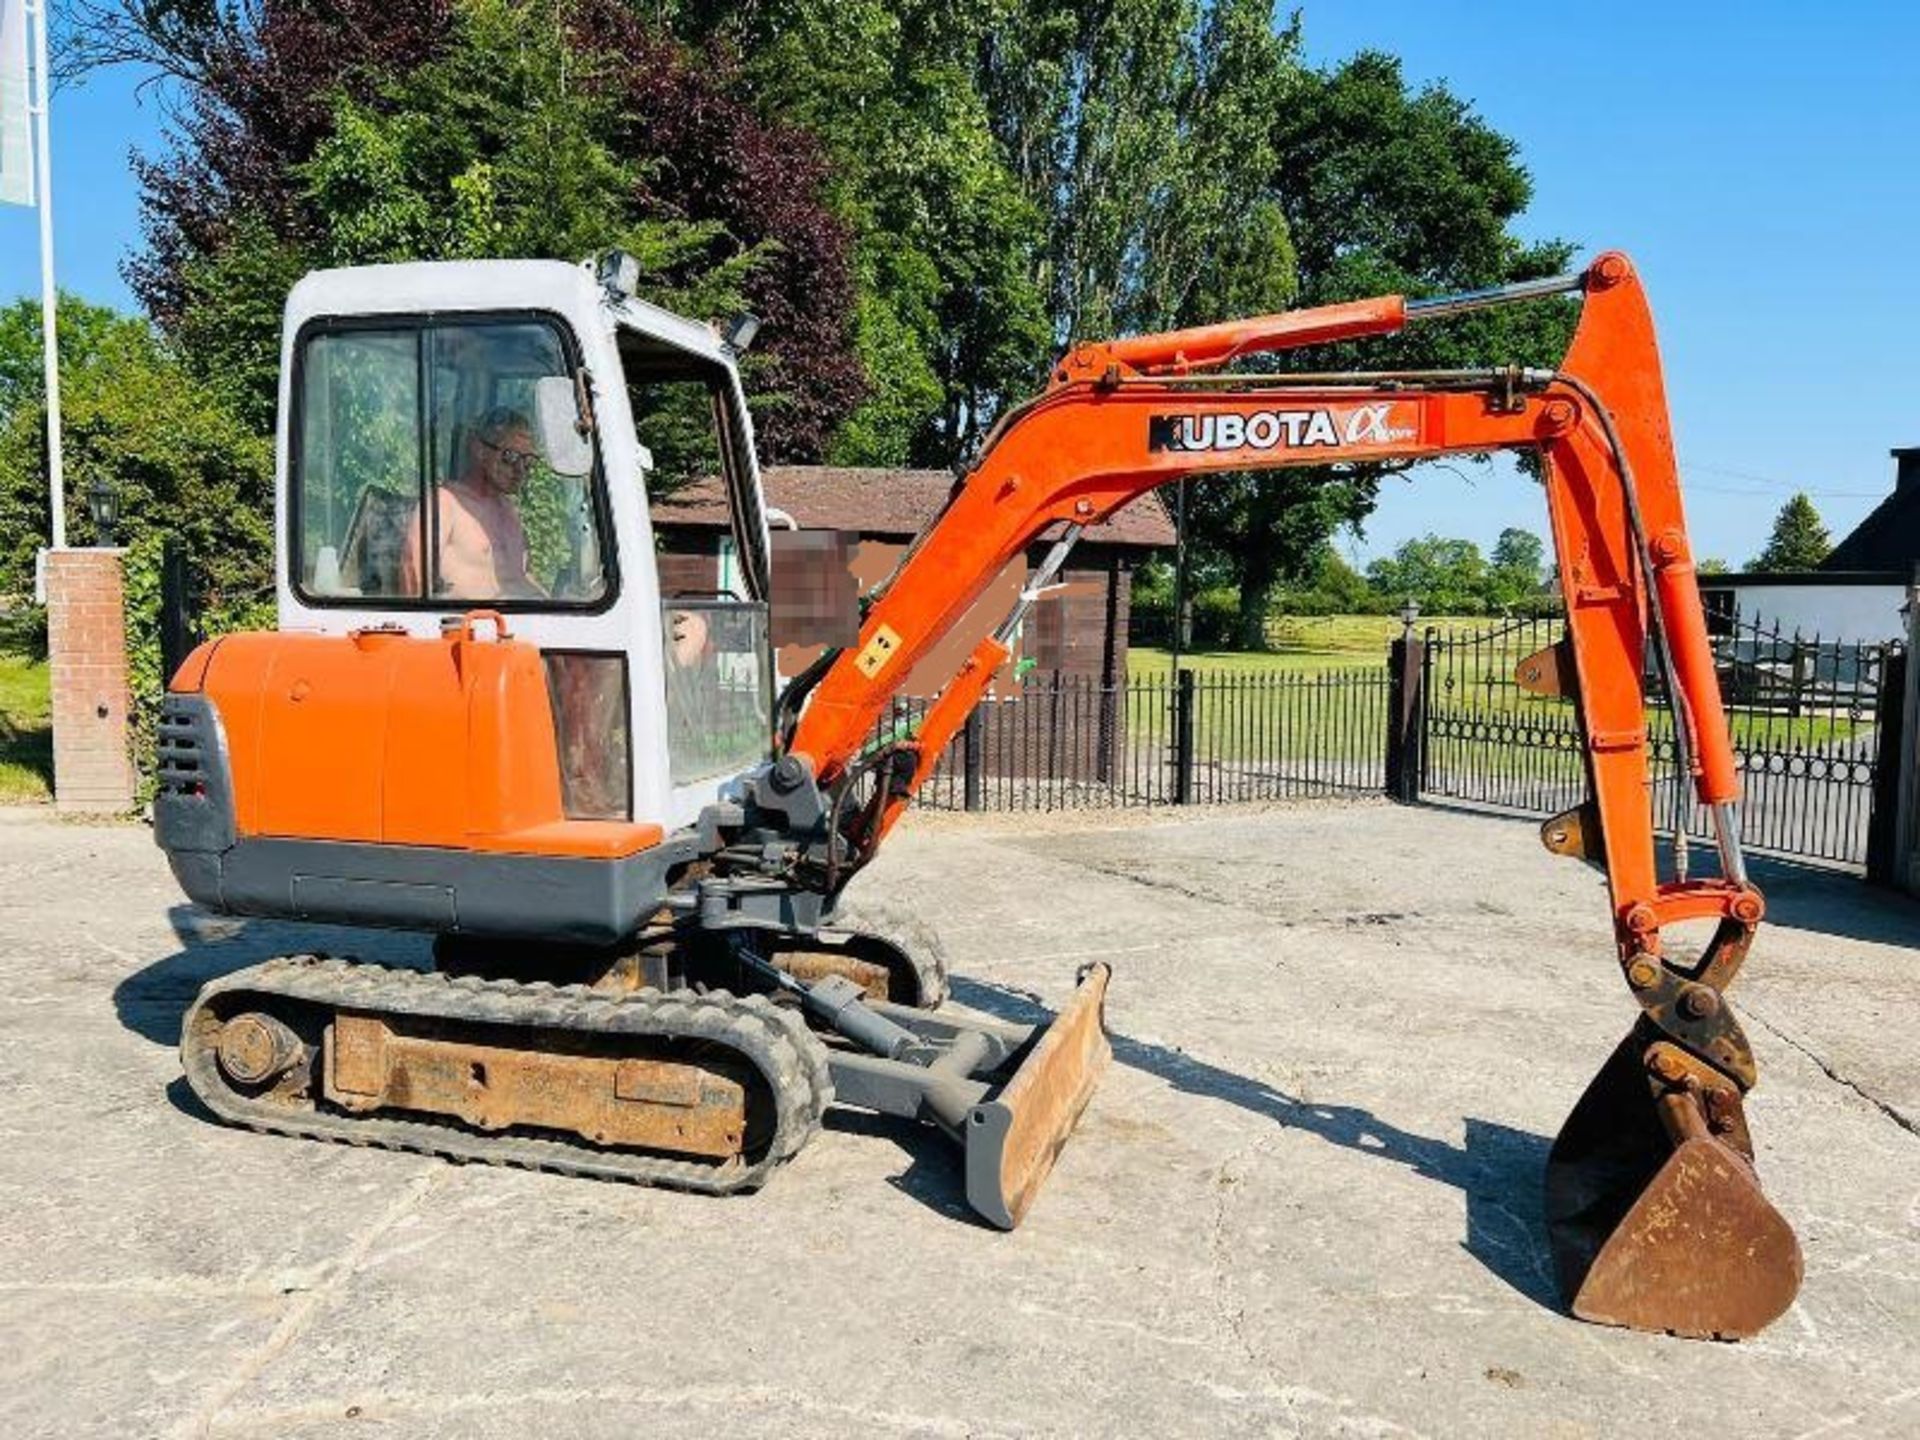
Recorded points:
(1020, 175)
(1799, 540)
(330, 131)
(1330, 586)
(950, 318)
(178, 459)
(1384, 190)
(1517, 577)
(1446, 577)
(1143, 131)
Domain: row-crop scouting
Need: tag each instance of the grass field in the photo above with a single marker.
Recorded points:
(26, 732)
(1297, 721)
(1301, 643)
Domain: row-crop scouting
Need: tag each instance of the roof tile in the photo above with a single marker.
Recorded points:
(883, 503)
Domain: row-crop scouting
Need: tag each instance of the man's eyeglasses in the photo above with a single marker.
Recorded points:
(519, 459)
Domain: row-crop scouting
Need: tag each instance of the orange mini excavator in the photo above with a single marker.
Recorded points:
(489, 715)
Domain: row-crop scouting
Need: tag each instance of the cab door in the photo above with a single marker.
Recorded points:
(715, 690)
(420, 486)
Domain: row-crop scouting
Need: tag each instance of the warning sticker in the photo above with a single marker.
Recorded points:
(875, 654)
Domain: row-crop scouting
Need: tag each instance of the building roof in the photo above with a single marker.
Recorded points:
(883, 504)
(1889, 538)
(1773, 579)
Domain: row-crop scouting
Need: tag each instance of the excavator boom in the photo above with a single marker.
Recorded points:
(1124, 417)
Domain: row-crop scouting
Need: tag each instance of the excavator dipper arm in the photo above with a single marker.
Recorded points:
(1663, 1126)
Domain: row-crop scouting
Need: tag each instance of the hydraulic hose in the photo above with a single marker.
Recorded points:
(1685, 733)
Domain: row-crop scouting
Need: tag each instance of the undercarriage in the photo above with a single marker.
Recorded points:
(696, 1065)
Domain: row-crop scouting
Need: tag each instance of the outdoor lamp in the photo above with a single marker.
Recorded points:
(105, 505)
(1409, 613)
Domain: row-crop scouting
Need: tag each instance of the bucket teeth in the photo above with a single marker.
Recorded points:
(1655, 1217)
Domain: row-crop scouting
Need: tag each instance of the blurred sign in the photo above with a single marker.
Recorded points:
(16, 121)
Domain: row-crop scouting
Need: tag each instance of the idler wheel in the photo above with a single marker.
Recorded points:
(256, 1048)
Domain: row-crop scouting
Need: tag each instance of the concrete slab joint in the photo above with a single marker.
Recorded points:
(87, 655)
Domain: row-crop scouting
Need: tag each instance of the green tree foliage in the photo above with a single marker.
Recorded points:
(1385, 189)
(951, 318)
(1330, 586)
(1023, 173)
(1799, 540)
(1446, 577)
(316, 132)
(178, 459)
(1143, 130)
(1516, 576)
(1452, 577)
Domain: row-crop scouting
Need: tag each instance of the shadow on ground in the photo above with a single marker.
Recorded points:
(1498, 1168)
(151, 1001)
(1829, 902)
(1799, 896)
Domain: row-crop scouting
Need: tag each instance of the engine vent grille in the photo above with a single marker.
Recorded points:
(182, 748)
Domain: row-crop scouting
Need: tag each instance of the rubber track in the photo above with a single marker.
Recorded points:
(773, 1040)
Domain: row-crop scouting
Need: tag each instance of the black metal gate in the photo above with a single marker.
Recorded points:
(1811, 720)
(1069, 742)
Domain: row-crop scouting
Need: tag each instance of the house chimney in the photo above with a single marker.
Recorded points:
(1906, 473)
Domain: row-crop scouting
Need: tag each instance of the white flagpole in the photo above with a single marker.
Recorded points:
(49, 321)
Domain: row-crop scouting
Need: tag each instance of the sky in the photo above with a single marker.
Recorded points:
(1756, 161)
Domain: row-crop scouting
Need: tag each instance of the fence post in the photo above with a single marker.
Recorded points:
(1889, 726)
(177, 620)
(1406, 716)
(1183, 739)
(972, 759)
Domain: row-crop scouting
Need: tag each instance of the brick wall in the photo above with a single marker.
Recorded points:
(87, 645)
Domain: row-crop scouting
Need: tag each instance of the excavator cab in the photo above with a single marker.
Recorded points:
(499, 709)
(496, 437)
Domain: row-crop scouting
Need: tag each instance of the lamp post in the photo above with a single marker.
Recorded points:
(105, 505)
(1409, 613)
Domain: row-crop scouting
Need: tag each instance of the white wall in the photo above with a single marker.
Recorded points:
(1847, 613)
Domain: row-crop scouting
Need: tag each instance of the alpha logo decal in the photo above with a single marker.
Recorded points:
(1324, 427)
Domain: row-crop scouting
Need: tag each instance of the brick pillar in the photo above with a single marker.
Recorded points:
(87, 653)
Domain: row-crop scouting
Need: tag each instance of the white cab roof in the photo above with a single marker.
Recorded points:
(455, 285)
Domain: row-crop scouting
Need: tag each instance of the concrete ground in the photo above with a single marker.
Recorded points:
(1305, 1201)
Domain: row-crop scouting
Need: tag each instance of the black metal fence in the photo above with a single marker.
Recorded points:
(1810, 720)
(1443, 718)
(1064, 742)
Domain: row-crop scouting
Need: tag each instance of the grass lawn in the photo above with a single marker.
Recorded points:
(1290, 719)
(26, 732)
(1301, 643)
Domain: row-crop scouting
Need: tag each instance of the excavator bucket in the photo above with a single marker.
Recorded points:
(1013, 1137)
(1654, 1213)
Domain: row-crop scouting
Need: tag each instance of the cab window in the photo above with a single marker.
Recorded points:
(421, 476)
(718, 675)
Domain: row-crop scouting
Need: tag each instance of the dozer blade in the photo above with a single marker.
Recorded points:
(1013, 1138)
(1656, 1219)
